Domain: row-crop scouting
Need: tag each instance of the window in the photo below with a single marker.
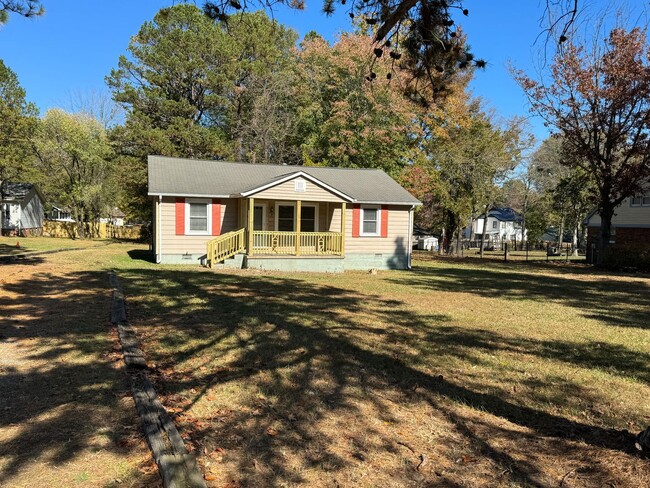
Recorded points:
(370, 221)
(197, 217)
(495, 224)
(286, 218)
(308, 219)
(640, 201)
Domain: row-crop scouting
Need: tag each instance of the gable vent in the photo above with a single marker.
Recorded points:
(300, 186)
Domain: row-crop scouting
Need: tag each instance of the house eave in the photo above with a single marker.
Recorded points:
(405, 204)
(190, 195)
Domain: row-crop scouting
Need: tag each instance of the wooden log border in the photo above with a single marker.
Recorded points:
(177, 467)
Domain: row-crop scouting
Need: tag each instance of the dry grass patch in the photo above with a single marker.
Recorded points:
(10, 246)
(453, 374)
(66, 415)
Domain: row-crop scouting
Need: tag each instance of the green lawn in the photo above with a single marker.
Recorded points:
(492, 374)
(457, 373)
(24, 245)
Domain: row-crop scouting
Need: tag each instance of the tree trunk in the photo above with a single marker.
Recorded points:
(443, 241)
(606, 215)
(560, 236)
(575, 241)
(453, 231)
(78, 221)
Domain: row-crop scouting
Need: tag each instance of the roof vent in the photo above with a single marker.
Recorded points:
(300, 185)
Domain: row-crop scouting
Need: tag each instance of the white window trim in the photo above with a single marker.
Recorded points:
(361, 219)
(295, 217)
(189, 232)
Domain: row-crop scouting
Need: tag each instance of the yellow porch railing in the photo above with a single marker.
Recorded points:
(310, 244)
(225, 246)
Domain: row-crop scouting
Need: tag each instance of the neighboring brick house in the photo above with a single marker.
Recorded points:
(630, 226)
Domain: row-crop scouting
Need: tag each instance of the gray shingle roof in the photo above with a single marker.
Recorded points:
(192, 177)
(505, 214)
(16, 191)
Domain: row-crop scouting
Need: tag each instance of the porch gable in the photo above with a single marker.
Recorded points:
(297, 186)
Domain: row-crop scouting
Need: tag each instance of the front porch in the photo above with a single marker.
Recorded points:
(282, 228)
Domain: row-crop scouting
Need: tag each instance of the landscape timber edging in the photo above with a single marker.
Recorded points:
(177, 466)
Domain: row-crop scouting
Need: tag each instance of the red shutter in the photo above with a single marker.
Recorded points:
(180, 216)
(384, 220)
(216, 217)
(356, 218)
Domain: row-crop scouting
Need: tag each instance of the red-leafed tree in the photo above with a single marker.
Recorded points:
(599, 101)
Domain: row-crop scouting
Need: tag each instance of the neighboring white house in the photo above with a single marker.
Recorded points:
(21, 209)
(503, 225)
(113, 216)
(424, 240)
(60, 214)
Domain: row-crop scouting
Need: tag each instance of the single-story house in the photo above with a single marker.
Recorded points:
(503, 224)
(630, 225)
(113, 215)
(278, 217)
(21, 209)
(424, 240)
(60, 214)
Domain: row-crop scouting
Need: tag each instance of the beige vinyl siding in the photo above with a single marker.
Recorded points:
(335, 219)
(397, 241)
(322, 217)
(229, 215)
(192, 244)
(287, 191)
(625, 215)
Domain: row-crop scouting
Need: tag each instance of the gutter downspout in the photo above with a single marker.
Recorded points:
(158, 232)
(410, 239)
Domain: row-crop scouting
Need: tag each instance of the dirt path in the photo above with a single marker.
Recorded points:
(66, 415)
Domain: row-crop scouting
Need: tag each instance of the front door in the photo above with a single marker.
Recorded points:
(258, 217)
(258, 224)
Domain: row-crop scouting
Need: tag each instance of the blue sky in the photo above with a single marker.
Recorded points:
(76, 43)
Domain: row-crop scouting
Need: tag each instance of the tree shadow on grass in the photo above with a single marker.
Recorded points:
(64, 393)
(301, 353)
(614, 302)
(7, 250)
